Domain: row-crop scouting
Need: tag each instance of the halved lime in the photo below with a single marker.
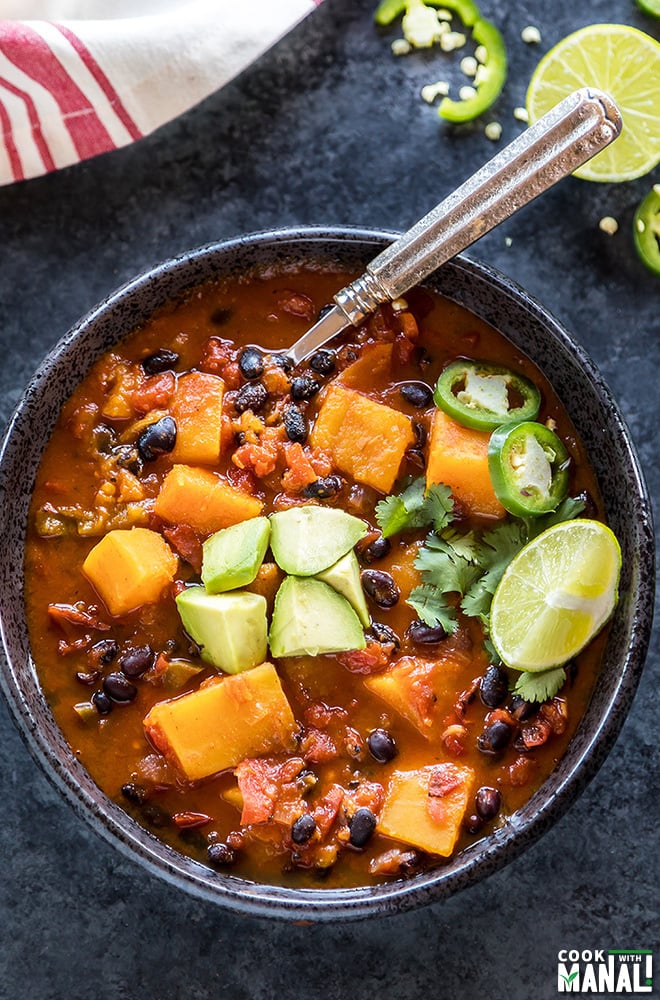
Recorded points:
(625, 63)
(556, 595)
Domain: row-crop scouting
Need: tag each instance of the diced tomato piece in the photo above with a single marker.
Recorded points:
(77, 615)
(216, 353)
(443, 780)
(520, 772)
(326, 810)
(368, 795)
(261, 783)
(319, 714)
(299, 472)
(296, 304)
(318, 747)
(153, 393)
(371, 660)
(186, 542)
(555, 714)
(190, 820)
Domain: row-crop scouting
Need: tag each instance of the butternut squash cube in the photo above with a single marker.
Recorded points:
(425, 808)
(423, 691)
(129, 568)
(458, 457)
(223, 722)
(197, 409)
(203, 500)
(365, 439)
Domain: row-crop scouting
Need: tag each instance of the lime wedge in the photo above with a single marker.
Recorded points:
(556, 595)
(625, 63)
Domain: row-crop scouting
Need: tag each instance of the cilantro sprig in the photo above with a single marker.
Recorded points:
(462, 569)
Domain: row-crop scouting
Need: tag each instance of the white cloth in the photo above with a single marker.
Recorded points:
(74, 88)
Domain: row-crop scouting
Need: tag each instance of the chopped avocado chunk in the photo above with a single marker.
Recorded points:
(344, 577)
(231, 557)
(306, 540)
(230, 628)
(311, 618)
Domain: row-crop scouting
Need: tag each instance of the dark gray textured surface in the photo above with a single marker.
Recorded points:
(328, 128)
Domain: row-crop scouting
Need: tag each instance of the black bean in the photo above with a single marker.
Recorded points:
(252, 396)
(101, 702)
(362, 826)
(378, 632)
(135, 662)
(155, 815)
(304, 387)
(419, 430)
(377, 549)
(417, 394)
(494, 738)
(303, 828)
(494, 688)
(284, 362)
(251, 363)
(416, 458)
(295, 424)
(119, 689)
(323, 362)
(488, 802)
(380, 587)
(323, 311)
(323, 488)
(160, 361)
(221, 855)
(522, 710)
(134, 793)
(157, 439)
(425, 635)
(382, 746)
(473, 823)
(87, 678)
(220, 316)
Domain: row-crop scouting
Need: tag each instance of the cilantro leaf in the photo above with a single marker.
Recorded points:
(415, 507)
(432, 607)
(540, 686)
(438, 506)
(449, 574)
(465, 545)
(491, 652)
(477, 600)
(391, 515)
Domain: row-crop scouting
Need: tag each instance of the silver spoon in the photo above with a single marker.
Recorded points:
(562, 140)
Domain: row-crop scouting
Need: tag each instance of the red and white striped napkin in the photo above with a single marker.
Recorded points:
(74, 88)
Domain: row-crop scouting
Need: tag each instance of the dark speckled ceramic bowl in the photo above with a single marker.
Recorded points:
(501, 303)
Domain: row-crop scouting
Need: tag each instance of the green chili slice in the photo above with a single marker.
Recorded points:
(528, 467)
(388, 10)
(646, 229)
(484, 396)
(490, 78)
(491, 74)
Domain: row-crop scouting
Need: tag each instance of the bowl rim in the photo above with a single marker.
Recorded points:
(484, 857)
